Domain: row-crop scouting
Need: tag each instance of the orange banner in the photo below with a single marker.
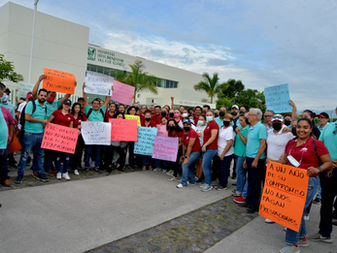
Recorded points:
(59, 81)
(284, 194)
(123, 129)
(60, 138)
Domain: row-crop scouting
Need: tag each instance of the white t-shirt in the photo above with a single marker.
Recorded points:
(225, 134)
(276, 143)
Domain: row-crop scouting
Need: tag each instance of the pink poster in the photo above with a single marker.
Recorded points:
(162, 130)
(165, 148)
(122, 93)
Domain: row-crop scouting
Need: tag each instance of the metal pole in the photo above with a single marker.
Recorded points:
(32, 44)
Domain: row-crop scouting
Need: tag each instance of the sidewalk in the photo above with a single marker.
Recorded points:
(259, 237)
(80, 215)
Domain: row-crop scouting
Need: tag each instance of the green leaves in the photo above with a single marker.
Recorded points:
(7, 71)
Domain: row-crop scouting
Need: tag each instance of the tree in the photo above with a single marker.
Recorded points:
(233, 89)
(7, 71)
(210, 85)
(138, 79)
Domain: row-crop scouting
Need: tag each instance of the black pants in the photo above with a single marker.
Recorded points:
(216, 168)
(225, 170)
(131, 155)
(76, 158)
(255, 176)
(329, 192)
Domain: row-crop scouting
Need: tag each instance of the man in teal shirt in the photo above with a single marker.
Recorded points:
(36, 118)
(97, 114)
(219, 120)
(255, 158)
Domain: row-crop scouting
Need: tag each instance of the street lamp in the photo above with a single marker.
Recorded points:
(32, 44)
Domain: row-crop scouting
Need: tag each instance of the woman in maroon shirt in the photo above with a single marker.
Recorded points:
(79, 116)
(62, 117)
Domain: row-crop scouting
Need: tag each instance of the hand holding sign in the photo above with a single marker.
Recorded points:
(97, 83)
(59, 81)
(144, 144)
(277, 98)
(122, 93)
(165, 148)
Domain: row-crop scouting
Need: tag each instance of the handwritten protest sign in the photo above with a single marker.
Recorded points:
(59, 81)
(96, 133)
(165, 148)
(284, 195)
(144, 144)
(136, 117)
(277, 98)
(122, 93)
(162, 130)
(123, 129)
(97, 83)
(23, 89)
(60, 138)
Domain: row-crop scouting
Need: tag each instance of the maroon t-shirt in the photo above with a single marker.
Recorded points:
(63, 120)
(207, 134)
(155, 120)
(78, 121)
(192, 134)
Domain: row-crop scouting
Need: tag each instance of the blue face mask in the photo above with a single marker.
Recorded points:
(209, 118)
(4, 98)
(200, 123)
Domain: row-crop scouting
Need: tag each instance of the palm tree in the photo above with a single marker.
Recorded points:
(210, 85)
(139, 79)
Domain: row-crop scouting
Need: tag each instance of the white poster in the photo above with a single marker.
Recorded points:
(96, 133)
(97, 83)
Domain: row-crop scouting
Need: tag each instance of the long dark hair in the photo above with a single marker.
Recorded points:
(80, 114)
(177, 127)
(117, 113)
(309, 122)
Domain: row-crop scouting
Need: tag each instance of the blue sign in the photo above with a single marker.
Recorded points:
(145, 141)
(277, 98)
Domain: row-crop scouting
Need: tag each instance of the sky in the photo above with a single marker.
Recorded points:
(260, 42)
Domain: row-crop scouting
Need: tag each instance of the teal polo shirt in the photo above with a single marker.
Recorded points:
(3, 132)
(239, 146)
(52, 107)
(219, 122)
(255, 134)
(40, 113)
(330, 139)
(95, 116)
(321, 128)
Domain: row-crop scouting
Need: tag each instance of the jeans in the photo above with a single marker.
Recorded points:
(188, 169)
(292, 236)
(4, 164)
(146, 160)
(207, 164)
(241, 176)
(224, 170)
(62, 162)
(49, 158)
(96, 149)
(254, 182)
(31, 142)
(161, 164)
(329, 192)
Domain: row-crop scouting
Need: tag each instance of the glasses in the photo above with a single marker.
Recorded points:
(268, 116)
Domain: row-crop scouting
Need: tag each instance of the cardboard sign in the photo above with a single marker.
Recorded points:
(284, 194)
(277, 98)
(144, 144)
(136, 117)
(123, 129)
(165, 148)
(59, 81)
(23, 89)
(162, 130)
(60, 138)
(96, 133)
(122, 93)
(97, 83)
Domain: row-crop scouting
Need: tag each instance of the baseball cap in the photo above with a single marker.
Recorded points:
(278, 117)
(187, 121)
(67, 102)
(235, 106)
(323, 115)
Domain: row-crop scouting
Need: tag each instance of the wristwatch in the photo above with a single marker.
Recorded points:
(320, 169)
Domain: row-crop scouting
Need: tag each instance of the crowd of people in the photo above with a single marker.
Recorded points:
(211, 142)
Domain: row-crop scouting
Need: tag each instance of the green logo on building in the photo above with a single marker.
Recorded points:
(92, 53)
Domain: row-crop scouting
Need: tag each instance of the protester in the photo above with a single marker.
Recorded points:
(200, 128)
(146, 160)
(209, 149)
(219, 120)
(225, 150)
(111, 112)
(306, 153)
(174, 130)
(130, 148)
(235, 113)
(255, 161)
(161, 164)
(268, 115)
(323, 120)
(197, 113)
(156, 117)
(3, 147)
(191, 152)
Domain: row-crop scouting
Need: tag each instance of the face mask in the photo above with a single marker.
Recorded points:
(242, 112)
(200, 123)
(51, 99)
(163, 114)
(187, 129)
(277, 126)
(4, 98)
(185, 115)
(221, 114)
(171, 128)
(247, 122)
(287, 122)
(234, 113)
(147, 119)
(216, 115)
(171, 114)
(226, 123)
(209, 118)
(176, 115)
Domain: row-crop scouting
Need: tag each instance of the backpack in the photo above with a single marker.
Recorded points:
(23, 114)
(90, 111)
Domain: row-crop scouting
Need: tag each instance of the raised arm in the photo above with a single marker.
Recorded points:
(85, 97)
(294, 110)
(36, 86)
(106, 102)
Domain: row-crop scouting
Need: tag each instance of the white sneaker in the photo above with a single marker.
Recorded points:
(269, 221)
(76, 173)
(66, 176)
(180, 185)
(306, 217)
(58, 175)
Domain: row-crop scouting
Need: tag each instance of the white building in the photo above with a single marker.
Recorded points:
(63, 45)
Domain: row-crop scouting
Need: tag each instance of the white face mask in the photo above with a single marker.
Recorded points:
(209, 118)
(200, 123)
(185, 115)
